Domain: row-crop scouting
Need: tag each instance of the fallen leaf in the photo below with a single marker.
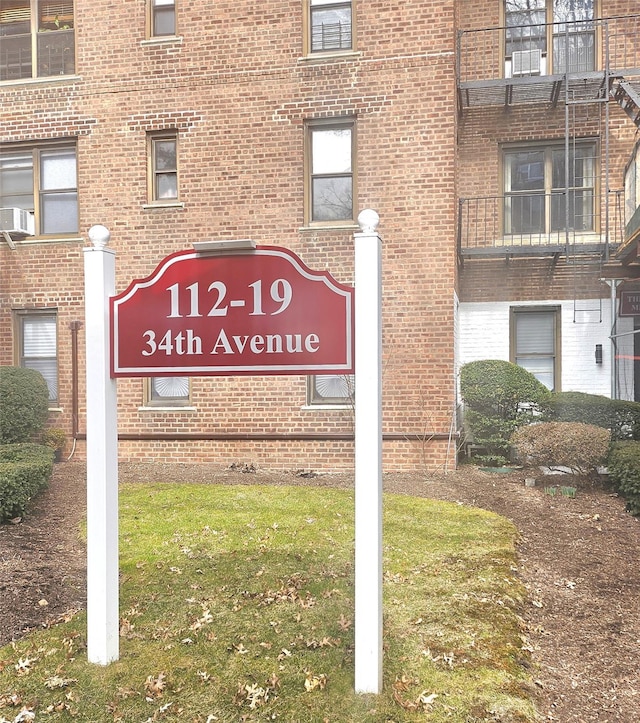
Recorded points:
(344, 623)
(23, 666)
(26, 714)
(315, 682)
(55, 681)
(427, 699)
(155, 686)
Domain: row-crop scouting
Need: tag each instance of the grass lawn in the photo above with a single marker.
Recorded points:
(236, 604)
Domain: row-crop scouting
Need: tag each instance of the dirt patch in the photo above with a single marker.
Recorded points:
(579, 558)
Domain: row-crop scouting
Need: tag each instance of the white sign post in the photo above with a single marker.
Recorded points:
(102, 455)
(368, 456)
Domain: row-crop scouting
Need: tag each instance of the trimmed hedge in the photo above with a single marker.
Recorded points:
(621, 417)
(25, 469)
(580, 447)
(25, 404)
(624, 471)
(499, 397)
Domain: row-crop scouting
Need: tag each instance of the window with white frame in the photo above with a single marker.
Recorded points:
(36, 39)
(37, 345)
(163, 166)
(534, 26)
(330, 26)
(535, 179)
(163, 18)
(42, 179)
(338, 389)
(167, 392)
(330, 161)
(535, 343)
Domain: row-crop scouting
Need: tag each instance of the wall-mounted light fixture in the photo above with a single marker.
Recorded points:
(598, 353)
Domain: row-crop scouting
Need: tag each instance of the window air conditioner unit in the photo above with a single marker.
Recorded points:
(16, 221)
(526, 62)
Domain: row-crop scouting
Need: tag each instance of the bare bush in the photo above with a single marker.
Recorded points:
(580, 447)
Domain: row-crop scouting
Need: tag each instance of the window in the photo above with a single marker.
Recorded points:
(42, 180)
(167, 392)
(36, 38)
(330, 172)
(534, 26)
(163, 18)
(534, 184)
(163, 154)
(330, 26)
(535, 343)
(331, 389)
(37, 345)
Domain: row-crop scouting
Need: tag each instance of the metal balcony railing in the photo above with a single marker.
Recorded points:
(331, 36)
(538, 55)
(532, 224)
(55, 54)
(15, 57)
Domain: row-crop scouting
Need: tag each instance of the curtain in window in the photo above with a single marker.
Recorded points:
(39, 349)
(535, 340)
(59, 197)
(169, 388)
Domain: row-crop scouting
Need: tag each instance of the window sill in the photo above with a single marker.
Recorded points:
(162, 40)
(29, 240)
(52, 79)
(329, 56)
(160, 408)
(326, 407)
(159, 205)
(346, 226)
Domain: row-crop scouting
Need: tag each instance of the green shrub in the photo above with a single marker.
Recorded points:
(25, 404)
(617, 415)
(499, 397)
(624, 471)
(580, 447)
(55, 438)
(25, 469)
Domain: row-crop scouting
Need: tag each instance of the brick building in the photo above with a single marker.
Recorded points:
(463, 124)
(174, 122)
(548, 100)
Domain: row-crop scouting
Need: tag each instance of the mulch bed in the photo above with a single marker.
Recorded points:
(579, 558)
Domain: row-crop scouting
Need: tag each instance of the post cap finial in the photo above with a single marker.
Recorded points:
(368, 220)
(99, 236)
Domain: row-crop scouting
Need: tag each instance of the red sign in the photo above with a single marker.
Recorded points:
(629, 303)
(256, 312)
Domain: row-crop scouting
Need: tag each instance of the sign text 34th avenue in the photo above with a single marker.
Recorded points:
(262, 312)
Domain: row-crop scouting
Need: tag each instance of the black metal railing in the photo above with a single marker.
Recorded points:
(521, 223)
(548, 49)
(55, 52)
(15, 57)
(331, 36)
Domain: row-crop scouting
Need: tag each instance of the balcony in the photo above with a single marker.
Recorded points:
(534, 226)
(539, 63)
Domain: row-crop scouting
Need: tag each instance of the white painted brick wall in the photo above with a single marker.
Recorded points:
(484, 334)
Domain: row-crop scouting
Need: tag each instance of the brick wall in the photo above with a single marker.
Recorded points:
(489, 287)
(238, 92)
